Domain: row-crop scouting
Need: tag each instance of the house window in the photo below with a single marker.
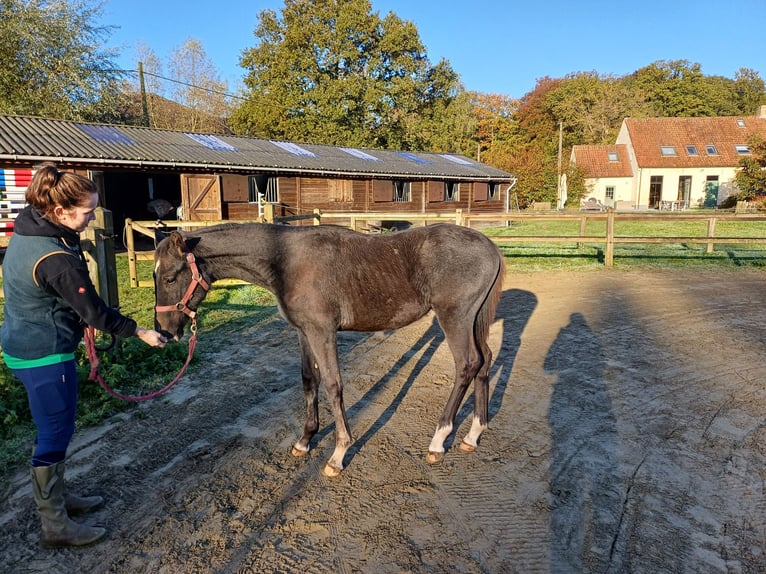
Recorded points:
(401, 191)
(710, 149)
(612, 156)
(667, 150)
(609, 193)
(263, 185)
(691, 150)
(655, 190)
(741, 123)
(684, 189)
(742, 149)
(451, 190)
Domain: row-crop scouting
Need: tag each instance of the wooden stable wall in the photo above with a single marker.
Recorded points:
(302, 195)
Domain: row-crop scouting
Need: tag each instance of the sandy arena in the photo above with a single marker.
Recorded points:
(627, 435)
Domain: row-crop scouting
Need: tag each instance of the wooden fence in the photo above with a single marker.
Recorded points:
(611, 236)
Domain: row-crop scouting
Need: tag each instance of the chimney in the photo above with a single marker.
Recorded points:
(761, 113)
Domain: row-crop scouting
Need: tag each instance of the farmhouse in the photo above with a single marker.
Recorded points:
(215, 177)
(669, 163)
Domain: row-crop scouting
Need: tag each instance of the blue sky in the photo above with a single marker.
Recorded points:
(497, 46)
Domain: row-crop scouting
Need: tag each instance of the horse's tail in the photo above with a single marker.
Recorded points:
(486, 314)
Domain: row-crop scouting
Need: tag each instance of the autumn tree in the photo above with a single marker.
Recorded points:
(53, 60)
(334, 72)
(751, 178)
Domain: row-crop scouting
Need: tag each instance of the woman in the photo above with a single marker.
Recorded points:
(49, 297)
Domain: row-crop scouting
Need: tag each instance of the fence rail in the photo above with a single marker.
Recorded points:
(609, 239)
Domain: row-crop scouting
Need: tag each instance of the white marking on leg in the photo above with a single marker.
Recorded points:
(437, 442)
(472, 438)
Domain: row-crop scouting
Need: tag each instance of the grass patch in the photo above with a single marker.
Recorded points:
(571, 255)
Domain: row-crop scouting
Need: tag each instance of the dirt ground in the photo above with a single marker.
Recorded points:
(627, 434)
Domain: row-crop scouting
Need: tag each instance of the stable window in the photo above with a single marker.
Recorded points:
(401, 191)
(264, 186)
(493, 190)
(340, 190)
(451, 191)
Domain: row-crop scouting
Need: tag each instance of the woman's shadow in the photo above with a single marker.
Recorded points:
(584, 477)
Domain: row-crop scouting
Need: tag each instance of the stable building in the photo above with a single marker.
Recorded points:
(220, 177)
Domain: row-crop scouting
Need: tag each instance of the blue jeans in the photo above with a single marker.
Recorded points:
(52, 395)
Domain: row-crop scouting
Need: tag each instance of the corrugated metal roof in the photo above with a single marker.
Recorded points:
(32, 139)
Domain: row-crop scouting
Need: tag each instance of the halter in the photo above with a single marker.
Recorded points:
(196, 279)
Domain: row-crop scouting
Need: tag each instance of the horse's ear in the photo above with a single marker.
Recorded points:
(178, 242)
(181, 245)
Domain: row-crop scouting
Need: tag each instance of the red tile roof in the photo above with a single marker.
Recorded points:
(594, 160)
(647, 135)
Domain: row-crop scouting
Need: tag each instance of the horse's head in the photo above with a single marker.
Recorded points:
(179, 286)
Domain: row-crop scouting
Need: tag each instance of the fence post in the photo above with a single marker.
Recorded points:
(98, 246)
(317, 216)
(583, 225)
(710, 233)
(268, 212)
(458, 217)
(131, 247)
(609, 252)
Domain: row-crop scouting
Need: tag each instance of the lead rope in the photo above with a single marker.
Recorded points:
(95, 374)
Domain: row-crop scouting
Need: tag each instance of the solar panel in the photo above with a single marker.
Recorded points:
(293, 149)
(360, 154)
(412, 157)
(211, 142)
(108, 134)
(456, 159)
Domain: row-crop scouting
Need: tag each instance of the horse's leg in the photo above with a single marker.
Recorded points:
(324, 349)
(467, 363)
(310, 377)
(480, 403)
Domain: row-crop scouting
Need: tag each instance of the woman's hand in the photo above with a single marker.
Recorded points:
(150, 337)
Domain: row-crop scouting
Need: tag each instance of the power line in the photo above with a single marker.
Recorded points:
(186, 84)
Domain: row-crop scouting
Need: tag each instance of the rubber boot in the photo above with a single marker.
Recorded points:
(75, 504)
(57, 528)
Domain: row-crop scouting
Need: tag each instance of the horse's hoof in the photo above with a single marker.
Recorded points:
(465, 447)
(297, 452)
(330, 471)
(434, 457)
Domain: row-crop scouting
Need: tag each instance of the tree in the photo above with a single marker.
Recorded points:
(199, 89)
(751, 178)
(333, 72)
(54, 63)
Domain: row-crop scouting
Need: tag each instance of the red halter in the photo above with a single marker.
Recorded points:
(196, 279)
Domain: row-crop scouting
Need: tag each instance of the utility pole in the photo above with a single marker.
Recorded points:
(559, 202)
(144, 107)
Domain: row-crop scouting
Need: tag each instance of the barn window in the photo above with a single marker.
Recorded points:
(451, 190)
(401, 191)
(264, 186)
(340, 189)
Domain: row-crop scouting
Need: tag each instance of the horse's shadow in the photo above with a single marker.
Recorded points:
(514, 309)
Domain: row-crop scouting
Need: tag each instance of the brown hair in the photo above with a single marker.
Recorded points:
(51, 187)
